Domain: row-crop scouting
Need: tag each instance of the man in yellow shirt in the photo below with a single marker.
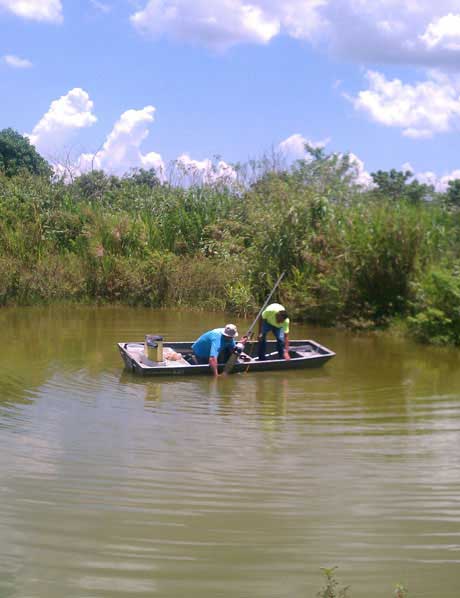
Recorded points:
(274, 319)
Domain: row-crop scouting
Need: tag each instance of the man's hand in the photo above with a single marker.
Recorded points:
(287, 356)
(213, 365)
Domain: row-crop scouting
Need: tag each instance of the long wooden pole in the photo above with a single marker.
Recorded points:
(234, 356)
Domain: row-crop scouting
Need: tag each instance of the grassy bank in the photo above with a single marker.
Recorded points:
(354, 257)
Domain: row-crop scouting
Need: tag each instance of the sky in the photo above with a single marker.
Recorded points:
(122, 84)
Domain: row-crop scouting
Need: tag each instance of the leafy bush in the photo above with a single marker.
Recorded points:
(8, 280)
(332, 587)
(17, 154)
(437, 307)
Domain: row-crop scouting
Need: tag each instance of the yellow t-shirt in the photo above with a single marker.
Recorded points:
(270, 316)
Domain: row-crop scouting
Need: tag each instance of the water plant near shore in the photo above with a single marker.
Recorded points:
(333, 589)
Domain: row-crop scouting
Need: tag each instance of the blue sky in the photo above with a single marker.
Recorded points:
(137, 83)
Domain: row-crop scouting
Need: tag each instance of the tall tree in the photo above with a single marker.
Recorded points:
(453, 193)
(140, 176)
(16, 154)
(395, 184)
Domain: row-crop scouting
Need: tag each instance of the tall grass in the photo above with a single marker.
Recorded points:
(351, 256)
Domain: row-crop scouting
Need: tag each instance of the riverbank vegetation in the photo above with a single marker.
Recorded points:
(362, 257)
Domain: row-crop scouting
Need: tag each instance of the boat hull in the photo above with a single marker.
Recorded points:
(305, 354)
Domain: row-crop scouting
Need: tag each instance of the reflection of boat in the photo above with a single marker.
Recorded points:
(304, 354)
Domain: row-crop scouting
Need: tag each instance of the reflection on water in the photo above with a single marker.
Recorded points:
(241, 486)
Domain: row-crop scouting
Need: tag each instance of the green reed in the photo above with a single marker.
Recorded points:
(352, 256)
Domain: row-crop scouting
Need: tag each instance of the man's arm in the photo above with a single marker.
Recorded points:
(214, 354)
(260, 325)
(213, 365)
(286, 347)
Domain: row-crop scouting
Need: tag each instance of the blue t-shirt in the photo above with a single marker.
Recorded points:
(211, 343)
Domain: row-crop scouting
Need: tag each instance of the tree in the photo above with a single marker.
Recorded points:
(95, 184)
(453, 193)
(16, 154)
(394, 185)
(149, 177)
(334, 175)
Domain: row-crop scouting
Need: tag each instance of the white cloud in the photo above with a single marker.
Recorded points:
(389, 26)
(101, 6)
(419, 32)
(121, 150)
(393, 31)
(67, 114)
(16, 62)
(151, 160)
(362, 177)
(219, 24)
(443, 32)
(224, 23)
(300, 19)
(205, 171)
(430, 178)
(439, 183)
(444, 180)
(36, 10)
(294, 146)
(420, 110)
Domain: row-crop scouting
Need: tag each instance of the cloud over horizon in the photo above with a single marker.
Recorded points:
(205, 171)
(16, 62)
(36, 10)
(220, 25)
(121, 150)
(65, 115)
(420, 110)
(293, 148)
(417, 32)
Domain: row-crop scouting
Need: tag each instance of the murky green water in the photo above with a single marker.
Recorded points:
(241, 487)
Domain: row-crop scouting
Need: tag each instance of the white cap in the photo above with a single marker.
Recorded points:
(230, 330)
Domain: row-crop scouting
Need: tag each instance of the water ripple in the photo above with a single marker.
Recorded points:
(113, 485)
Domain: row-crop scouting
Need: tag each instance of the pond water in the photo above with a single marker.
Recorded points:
(243, 486)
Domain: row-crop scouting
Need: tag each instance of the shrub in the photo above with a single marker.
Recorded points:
(332, 587)
(8, 280)
(53, 278)
(436, 316)
(202, 283)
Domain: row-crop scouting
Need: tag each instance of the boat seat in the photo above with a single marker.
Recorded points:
(303, 351)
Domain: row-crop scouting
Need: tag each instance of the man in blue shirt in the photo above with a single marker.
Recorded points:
(215, 345)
